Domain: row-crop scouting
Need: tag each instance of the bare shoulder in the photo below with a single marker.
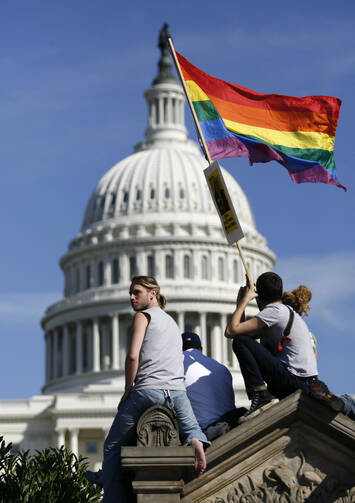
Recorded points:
(141, 319)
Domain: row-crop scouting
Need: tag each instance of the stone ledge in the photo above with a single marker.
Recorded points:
(159, 458)
(298, 437)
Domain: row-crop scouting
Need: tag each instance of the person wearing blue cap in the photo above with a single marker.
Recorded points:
(209, 388)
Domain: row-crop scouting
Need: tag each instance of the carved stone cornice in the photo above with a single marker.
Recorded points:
(158, 427)
(291, 481)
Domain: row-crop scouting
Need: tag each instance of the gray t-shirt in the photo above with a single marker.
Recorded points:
(298, 353)
(160, 359)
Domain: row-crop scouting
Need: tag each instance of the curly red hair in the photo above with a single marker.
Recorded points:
(298, 299)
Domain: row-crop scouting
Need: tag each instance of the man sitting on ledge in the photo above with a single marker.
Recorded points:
(209, 387)
(285, 359)
(154, 375)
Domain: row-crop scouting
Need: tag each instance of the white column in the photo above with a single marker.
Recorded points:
(159, 263)
(82, 268)
(89, 348)
(107, 272)
(48, 356)
(79, 348)
(225, 342)
(106, 359)
(153, 113)
(55, 352)
(203, 332)
(65, 348)
(115, 341)
(124, 268)
(161, 111)
(74, 440)
(216, 343)
(181, 320)
(182, 112)
(95, 345)
(94, 276)
(170, 110)
(60, 438)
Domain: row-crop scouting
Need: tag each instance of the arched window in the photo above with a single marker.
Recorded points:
(220, 269)
(138, 195)
(169, 266)
(182, 193)
(204, 267)
(167, 193)
(100, 273)
(235, 271)
(125, 196)
(150, 265)
(115, 271)
(152, 193)
(88, 276)
(187, 266)
(132, 266)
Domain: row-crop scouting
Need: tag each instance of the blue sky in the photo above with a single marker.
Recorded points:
(71, 105)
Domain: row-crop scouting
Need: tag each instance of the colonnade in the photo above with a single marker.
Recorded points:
(69, 437)
(179, 264)
(100, 343)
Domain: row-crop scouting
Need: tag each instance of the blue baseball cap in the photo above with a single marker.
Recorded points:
(192, 338)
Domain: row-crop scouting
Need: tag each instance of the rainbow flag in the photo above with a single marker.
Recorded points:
(299, 133)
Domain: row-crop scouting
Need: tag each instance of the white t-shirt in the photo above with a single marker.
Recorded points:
(209, 387)
(298, 353)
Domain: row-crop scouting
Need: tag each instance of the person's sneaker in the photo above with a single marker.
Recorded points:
(259, 400)
(319, 390)
(94, 477)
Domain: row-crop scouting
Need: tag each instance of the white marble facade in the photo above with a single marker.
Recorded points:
(149, 214)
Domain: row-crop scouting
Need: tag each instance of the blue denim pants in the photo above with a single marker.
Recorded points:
(349, 405)
(259, 366)
(123, 433)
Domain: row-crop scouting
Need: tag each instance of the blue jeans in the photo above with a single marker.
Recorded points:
(123, 432)
(349, 405)
(259, 366)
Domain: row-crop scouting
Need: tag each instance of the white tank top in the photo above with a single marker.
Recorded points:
(160, 359)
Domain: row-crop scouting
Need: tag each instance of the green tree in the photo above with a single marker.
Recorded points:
(48, 476)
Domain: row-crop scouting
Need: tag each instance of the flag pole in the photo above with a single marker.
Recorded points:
(203, 142)
(197, 124)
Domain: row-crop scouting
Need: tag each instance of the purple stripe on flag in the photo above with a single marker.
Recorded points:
(316, 174)
(233, 146)
(227, 147)
(260, 152)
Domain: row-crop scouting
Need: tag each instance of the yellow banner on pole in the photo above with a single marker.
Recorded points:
(223, 203)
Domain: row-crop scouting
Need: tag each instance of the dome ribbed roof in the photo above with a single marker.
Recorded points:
(160, 180)
(165, 174)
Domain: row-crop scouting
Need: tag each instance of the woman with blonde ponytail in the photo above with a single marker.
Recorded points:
(150, 284)
(154, 375)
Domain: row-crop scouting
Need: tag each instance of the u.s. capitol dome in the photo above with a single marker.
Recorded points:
(151, 214)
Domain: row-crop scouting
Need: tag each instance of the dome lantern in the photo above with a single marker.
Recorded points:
(165, 98)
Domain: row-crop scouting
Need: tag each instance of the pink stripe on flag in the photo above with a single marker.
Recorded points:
(316, 174)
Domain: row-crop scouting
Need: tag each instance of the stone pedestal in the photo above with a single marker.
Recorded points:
(159, 464)
(158, 472)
